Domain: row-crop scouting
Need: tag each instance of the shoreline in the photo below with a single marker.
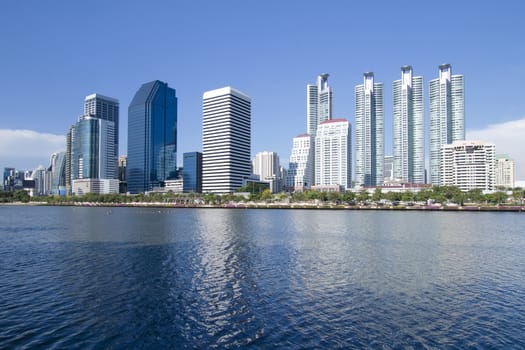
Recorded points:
(309, 206)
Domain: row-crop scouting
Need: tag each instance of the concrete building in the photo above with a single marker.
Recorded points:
(369, 132)
(409, 128)
(333, 154)
(505, 171)
(266, 165)
(447, 116)
(300, 174)
(469, 165)
(226, 140)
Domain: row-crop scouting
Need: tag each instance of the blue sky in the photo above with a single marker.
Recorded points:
(54, 53)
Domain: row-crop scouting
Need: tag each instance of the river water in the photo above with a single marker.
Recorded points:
(136, 278)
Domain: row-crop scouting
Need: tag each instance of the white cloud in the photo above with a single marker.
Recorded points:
(27, 149)
(509, 138)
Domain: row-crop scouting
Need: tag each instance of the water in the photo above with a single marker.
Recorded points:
(121, 278)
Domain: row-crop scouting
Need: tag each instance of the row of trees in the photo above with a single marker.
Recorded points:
(435, 194)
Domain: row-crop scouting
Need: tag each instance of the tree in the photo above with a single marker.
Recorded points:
(377, 195)
(266, 195)
(21, 196)
(349, 197)
(362, 195)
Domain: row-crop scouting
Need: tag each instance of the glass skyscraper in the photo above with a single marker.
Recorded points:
(369, 132)
(192, 172)
(447, 116)
(106, 108)
(409, 128)
(152, 137)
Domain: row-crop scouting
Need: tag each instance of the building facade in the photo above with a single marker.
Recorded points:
(469, 165)
(192, 172)
(318, 103)
(447, 116)
(267, 166)
(58, 173)
(300, 175)
(106, 108)
(505, 171)
(369, 132)
(152, 137)
(226, 140)
(333, 154)
(408, 129)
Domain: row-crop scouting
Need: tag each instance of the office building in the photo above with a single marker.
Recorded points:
(468, 165)
(300, 172)
(333, 154)
(408, 129)
(57, 170)
(106, 108)
(388, 170)
(226, 140)
(504, 171)
(369, 132)
(266, 165)
(447, 116)
(192, 172)
(152, 137)
(318, 103)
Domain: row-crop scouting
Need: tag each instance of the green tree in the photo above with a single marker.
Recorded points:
(266, 195)
(348, 197)
(21, 196)
(377, 195)
(362, 195)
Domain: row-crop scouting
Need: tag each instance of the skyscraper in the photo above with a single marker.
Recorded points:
(226, 140)
(300, 173)
(192, 172)
(333, 153)
(318, 103)
(152, 137)
(409, 129)
(369, 132)
(106, 108)
(447, 116)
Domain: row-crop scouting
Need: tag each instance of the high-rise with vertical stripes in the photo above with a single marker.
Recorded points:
(369, 132)
(318, 103)
(447, 116)
(226, 140)
(408, 129)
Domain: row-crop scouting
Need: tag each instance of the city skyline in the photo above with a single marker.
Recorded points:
(275, 82)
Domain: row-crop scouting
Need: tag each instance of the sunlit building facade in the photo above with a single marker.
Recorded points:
(505, 171)
(300, 173)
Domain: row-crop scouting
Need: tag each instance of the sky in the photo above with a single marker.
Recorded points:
(54, 53)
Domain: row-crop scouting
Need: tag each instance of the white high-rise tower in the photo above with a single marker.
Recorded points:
(409, 128)
(369, 132)
(318, 103)
(333, 153)
(226, 140)
(447, 116)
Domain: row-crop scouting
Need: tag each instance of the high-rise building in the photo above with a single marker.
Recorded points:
(504, 171)
(388, 169)
(447, 116)
(318, 103)
(122, 172)
(468, 165)
(106, 108)
(192, 172)
(58, 173)
(333, 154)
(369, 132)
(266, 165)
(300, 173)
(226, 140)
(152, 137)
(408, 129)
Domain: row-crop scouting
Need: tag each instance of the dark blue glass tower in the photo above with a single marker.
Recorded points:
(192, 172)
(152, 137)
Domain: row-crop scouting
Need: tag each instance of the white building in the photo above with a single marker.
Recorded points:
(299, 176)
(408, 128)
(505, 171)
(266, 166)
(333, 154)
(388, 169)
(447, 116)
(369, 132)
(98, 186)
(226, 140)
(318, 103)
(468, 165)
